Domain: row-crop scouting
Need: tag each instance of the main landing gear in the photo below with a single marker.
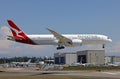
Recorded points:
(60, 47)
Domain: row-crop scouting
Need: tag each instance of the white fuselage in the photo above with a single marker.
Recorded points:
(46, 39)
(61, 40)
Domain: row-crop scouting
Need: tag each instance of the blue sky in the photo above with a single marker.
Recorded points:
(64, 16)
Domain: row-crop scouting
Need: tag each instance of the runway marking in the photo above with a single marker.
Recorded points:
(111, 73)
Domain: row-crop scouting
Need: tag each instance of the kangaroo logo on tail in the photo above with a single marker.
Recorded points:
(18, 34)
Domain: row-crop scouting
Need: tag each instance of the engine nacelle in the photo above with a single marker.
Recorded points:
(76, 42)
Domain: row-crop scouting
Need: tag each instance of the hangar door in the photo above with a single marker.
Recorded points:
(81, 59)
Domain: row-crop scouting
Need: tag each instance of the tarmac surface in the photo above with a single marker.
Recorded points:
(20, 72)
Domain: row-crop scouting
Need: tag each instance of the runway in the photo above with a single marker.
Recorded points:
(69, 74)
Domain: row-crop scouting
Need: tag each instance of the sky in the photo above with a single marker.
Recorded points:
(63, 16)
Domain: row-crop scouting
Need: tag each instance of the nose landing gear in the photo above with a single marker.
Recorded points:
(103, 46)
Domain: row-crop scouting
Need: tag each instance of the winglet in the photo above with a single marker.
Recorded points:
(51, 31)
(54, 33)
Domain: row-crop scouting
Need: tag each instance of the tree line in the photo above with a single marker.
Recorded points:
(23, 59)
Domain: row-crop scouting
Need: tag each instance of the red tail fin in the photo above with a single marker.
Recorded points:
(18, 34)
(13, 32)
(16, 31)
(11, 23)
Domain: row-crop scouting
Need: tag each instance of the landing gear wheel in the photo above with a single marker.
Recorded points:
(61, 47)
(103, 46)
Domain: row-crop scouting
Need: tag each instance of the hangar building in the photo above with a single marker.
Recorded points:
(87, 56)
(91, 56)
(65, 58)
(112, 59)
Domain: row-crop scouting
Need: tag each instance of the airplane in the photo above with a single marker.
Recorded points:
(21, 63)
(112, 64)
(61, 40)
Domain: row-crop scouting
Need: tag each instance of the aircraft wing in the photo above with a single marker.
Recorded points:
(62, 39)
